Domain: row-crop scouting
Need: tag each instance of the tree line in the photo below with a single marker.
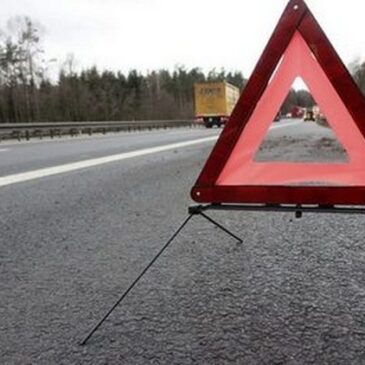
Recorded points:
(28, 94)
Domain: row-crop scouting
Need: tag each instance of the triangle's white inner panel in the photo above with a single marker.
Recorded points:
(300, 132)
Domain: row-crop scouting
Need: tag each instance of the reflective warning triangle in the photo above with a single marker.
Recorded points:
(297, 48)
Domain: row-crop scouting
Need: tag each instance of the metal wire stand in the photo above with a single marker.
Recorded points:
(192, 212)
(201, 211)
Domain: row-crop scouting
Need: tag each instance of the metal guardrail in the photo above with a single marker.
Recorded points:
(39, 130)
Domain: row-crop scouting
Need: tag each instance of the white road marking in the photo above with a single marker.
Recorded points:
(73, 166)
(3, 149)
(50, 171)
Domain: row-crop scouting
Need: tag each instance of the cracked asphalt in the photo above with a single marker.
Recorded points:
(292, 293)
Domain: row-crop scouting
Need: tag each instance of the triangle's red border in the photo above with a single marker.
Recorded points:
(296, 17)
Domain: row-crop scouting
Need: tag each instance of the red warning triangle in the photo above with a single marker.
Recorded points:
(297, 48)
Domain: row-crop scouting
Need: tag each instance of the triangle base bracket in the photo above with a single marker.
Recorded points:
(280, 208)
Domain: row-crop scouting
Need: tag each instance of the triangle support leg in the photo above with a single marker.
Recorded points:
(121, 298)
(224, 229)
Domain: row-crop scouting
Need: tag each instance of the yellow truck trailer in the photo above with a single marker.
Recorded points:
(214, 102)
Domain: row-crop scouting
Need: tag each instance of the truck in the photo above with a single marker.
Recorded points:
(214, 102)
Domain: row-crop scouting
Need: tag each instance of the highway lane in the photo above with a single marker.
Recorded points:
(35, 155)
(28, 156)
(293, 293)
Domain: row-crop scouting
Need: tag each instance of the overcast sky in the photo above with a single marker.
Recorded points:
(154, 34)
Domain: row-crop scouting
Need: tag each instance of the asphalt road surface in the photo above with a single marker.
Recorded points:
(72, 241)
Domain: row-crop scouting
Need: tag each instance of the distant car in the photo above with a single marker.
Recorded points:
(296, 112)
(309, 116)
